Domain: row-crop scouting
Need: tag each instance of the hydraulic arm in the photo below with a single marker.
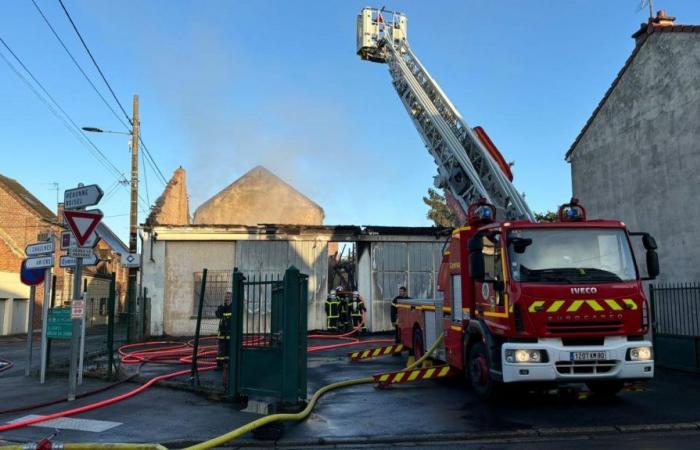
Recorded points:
(466, 169)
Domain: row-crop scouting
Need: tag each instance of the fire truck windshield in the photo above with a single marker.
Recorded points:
(570, 255)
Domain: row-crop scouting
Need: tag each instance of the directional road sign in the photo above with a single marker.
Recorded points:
(82, 223)
(40, 248)
(69, 261)
(82, 196)
(41, 262)
(31, 277)
(81, 252)
(131, 260)
(68, 240)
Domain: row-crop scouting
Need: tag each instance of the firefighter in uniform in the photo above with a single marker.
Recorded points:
(357, 311)
(223, 313)
(403, 294)
(332, 311)
(343, 309)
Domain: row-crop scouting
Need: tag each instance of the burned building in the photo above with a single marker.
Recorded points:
(259, 196)
(265, 243)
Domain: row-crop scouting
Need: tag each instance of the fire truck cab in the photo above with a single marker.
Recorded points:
(526, 302)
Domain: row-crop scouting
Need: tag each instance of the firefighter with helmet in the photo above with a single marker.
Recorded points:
(357, 311)
(343, 309)
(332, 311)
(223, 313)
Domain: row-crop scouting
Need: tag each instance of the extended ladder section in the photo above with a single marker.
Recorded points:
(465, 168)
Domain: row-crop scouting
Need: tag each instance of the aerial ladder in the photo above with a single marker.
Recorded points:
(467, 170)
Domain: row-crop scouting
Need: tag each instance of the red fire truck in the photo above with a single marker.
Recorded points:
(538, 302)
(519, 301)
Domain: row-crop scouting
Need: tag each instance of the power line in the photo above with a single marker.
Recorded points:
(80, 36)
(65, 119)
(104, 78)
(77, 65)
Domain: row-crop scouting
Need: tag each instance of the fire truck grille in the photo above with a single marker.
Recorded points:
(584, 327)
(586, 367)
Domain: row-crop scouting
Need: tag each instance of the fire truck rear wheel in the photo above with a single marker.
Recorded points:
(418, 347)
(607, 388)
(479, 372)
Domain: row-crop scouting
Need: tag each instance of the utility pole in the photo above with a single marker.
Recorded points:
(133, 222)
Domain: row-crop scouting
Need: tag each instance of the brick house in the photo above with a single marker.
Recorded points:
(22, 218)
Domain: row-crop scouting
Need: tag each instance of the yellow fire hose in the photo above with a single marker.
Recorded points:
(238, 432)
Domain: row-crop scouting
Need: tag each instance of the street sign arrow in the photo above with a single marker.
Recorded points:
(69, 261)
(82, 223)
(82, 196)
(68, 240)
(81, 252)
(42, 262)
(40, 248)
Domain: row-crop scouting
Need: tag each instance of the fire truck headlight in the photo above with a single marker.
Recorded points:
(525, 356)
(640, 354)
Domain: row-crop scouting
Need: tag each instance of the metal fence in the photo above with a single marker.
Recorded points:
(676, 324)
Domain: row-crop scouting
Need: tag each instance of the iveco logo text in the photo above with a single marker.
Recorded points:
(584, 290)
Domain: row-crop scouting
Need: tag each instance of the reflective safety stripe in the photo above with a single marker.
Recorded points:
(535, 305)
(374, 352)
(595, 305)
(574, 306)
(404, 376)
(555, 306)
(630, 303)
(227, 314)
(613, 304)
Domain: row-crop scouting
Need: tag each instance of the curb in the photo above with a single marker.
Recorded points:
(534, 434)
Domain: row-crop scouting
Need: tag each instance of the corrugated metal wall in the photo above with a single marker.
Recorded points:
(394, 264)
(272, 258)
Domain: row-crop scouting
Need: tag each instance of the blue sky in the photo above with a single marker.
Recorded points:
(225, 86)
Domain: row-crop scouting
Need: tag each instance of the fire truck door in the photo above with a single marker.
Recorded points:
(489, 299)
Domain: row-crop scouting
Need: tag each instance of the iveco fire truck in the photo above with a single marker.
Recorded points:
(519, 301)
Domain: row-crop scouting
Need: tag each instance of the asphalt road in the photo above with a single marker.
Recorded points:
(407, 415)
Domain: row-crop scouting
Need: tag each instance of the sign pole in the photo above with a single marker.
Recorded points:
(75, 337)
(82, 342)
(44, 324)
(30, 330)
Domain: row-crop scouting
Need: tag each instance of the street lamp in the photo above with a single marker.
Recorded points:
(132, 329)
(100, 130)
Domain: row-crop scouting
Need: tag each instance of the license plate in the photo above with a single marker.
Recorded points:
(587, 356)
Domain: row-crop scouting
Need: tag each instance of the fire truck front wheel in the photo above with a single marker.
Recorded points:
(607, 388)
(479, 371)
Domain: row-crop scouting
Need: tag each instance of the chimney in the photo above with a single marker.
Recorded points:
(661, 20)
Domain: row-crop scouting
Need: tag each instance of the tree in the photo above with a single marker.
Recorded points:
(438, 209)
(548, 216)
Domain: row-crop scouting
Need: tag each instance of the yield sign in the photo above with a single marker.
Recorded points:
(82, 223)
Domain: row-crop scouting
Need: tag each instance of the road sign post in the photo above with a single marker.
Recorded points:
(44, 324)
(30, 330)
(76, 332)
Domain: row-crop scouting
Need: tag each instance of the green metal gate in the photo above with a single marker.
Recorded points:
(676, 325)
(268, 337)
